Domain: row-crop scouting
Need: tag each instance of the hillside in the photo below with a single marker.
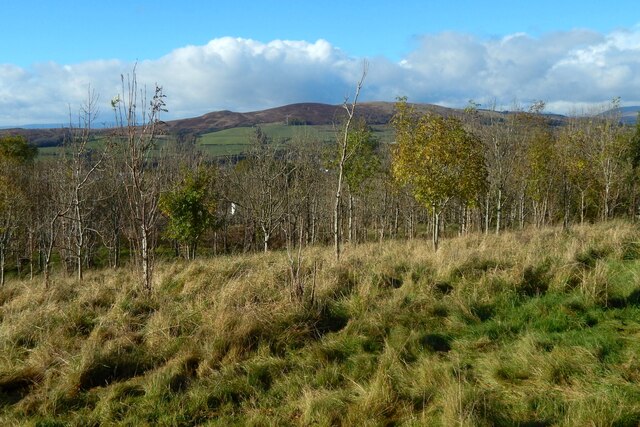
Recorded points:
(311, 114)
(629, 114)
(539, 327)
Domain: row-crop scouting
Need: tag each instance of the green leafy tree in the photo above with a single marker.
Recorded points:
(541, 158)
(362, 159)
(17, 149)
(16, 154)
(438, 159)
(191, 209)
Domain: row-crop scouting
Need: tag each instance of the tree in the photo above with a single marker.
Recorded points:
(81, 165)
(16, 148)
(503, 147)
(361, 165)
(576, 161)
(344, 154)
(50, 207)
(16, 155)
(137, 133)
(634, 158)
(112, 204)
(610, 148)
(191, 209)
(541, 162)
(634, 145)
(261, 183)
(438, 159)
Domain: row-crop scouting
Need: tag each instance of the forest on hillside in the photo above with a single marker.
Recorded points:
(139, 196)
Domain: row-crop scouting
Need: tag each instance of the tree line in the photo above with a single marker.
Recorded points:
(138, 193)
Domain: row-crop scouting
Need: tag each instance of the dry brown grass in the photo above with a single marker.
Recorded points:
(531, 326)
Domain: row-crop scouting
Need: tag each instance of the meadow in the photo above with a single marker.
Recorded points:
(237, 140)
(537, 327)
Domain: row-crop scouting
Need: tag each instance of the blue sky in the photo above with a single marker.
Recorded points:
(244, 55)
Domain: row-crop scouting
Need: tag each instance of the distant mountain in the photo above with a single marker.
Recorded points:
(97, 125)
(375, 113)
(294, 114)
(50, 137)
(630, 114)
(34, 126)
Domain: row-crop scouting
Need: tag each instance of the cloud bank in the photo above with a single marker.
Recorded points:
(568, 70)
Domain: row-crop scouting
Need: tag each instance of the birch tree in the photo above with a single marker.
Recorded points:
(82, 165)
(137, 133)
(344, 153)
(437, 159)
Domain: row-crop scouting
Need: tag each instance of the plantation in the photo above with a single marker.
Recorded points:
(533, 327)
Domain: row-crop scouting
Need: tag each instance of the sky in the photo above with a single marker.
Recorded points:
(243, 55)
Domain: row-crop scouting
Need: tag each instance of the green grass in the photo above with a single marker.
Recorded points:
(230, 142)
(236, 141)
(97, 143)
(528, 328)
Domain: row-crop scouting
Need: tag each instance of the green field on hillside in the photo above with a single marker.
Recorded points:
(535, 327)
(230, 142)
(235, 141)
(97, 144)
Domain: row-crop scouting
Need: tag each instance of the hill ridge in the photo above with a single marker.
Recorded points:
(301, 113)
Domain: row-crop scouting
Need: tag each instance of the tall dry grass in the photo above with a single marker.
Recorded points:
(537, 327)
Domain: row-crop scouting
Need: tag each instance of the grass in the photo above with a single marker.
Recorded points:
(97, 144)
(527, 328)
(230, 142)
(236, 140)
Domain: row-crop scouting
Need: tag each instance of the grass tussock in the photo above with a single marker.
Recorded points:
(528, 328)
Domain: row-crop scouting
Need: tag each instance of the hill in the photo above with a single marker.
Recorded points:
(311, 114)
(538, 327)
(52, 137)
(627, 115)
(630, 114)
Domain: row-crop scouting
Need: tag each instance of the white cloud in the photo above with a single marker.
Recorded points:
(241, 74)
(565, 69)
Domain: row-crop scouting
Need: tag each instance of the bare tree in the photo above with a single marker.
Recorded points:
(51, 207)
(137, 131)
(261, 185)
(81, 164)
(503, 145)
(609, 144)
(344, 154)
